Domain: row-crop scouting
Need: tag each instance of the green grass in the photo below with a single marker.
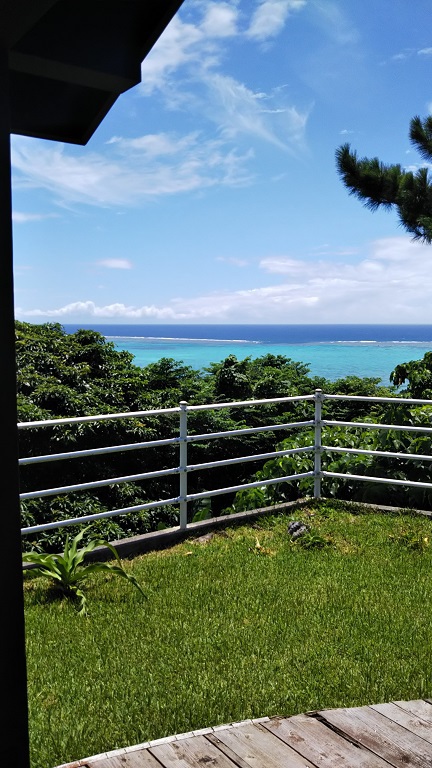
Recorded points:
(246, 625)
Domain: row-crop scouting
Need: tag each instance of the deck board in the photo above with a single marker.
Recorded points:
(321, 745)
(387, 739)
(406, 719)
(421, 708)
(259, 748)
(191, 753)
(397, 734)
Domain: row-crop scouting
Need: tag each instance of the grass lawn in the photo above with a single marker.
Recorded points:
(244, 625)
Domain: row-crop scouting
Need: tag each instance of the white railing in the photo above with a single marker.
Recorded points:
(184, 438)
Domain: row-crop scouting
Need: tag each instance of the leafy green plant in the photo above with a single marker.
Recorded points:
(202, 511)
(312, 540)
(69, 570)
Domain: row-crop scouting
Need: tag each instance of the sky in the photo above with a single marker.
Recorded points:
(209, 194)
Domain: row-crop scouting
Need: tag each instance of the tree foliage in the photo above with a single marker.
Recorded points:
(417, 375)
(81, 374)
(390, 186)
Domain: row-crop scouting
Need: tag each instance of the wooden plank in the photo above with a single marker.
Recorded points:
(228, 752)
(420, 708)
(320, 745)
(193, 752)
(258, 748)
(405, 719)
(390, 741)
(139, 758)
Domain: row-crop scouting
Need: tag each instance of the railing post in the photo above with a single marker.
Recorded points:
(183, 465)
(317, 443)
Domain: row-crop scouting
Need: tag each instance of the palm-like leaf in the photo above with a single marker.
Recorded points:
(69, 569)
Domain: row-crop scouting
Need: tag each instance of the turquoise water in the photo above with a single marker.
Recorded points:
(333, 360)
(333, 351)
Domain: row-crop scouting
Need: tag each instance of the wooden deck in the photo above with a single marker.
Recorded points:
(396, 734)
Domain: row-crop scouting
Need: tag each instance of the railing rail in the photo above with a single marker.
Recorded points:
(316, 448)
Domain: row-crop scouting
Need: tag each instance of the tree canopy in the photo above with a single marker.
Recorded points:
(377, 184)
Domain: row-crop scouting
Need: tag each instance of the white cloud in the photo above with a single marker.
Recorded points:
(184, 43)
(19, 217)
(239, 111)
(270, 17)
(391, 284)
(414, 167)
(128, 176)
(220, 20)
(178, 45)
(408, 53)
(283, 265)
(157, 144)
(115, 263)
(89, 309)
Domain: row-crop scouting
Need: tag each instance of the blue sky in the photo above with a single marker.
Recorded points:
(209, 193)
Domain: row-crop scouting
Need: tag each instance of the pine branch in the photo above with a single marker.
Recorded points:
(370, 180)
(377, 184)
(421, 136)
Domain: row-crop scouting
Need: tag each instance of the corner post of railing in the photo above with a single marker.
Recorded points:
(183, 465)
(318, 398)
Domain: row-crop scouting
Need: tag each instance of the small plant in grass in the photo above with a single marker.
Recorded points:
(69, 570)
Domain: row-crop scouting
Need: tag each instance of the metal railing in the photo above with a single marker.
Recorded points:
(183, 439)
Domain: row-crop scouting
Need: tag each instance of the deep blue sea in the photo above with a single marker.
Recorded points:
(332, 351)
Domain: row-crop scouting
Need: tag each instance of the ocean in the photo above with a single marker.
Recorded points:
(333, 351)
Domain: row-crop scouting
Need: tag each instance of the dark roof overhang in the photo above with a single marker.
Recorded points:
(69, 60)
